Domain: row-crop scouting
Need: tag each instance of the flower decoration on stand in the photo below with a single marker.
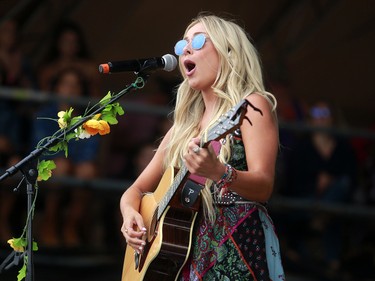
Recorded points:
(95, 120)
(95, 123)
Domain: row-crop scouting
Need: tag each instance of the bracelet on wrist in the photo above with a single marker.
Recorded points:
(226, 180)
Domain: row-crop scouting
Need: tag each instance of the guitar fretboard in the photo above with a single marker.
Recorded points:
(180, 176)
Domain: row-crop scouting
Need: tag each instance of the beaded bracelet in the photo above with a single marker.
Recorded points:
(226, 180)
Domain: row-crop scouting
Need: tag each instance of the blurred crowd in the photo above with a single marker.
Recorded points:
(323, 166)
(67, 215)
(316, 164)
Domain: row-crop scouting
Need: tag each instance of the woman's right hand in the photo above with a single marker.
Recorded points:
(133, 229)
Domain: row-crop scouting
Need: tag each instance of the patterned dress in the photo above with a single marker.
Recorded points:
(234, 248)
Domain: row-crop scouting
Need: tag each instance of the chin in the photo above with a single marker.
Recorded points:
(194, 86)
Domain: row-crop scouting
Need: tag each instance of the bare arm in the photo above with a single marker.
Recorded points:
(261, 146)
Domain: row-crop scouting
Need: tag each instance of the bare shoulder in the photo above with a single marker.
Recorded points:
(260, 130)
(260, 101)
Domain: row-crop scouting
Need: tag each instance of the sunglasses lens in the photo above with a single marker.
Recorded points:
(179, 47)
(198, 41)
(197, 44)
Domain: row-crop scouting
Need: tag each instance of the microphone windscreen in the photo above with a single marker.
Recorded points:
(170, 62)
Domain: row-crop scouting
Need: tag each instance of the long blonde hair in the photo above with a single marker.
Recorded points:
(239, 75)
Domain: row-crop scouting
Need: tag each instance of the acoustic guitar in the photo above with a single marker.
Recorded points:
(169, 214)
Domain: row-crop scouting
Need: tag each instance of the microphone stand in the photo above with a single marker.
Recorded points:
(28, 167)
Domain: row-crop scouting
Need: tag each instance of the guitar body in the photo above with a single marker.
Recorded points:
(168, 240)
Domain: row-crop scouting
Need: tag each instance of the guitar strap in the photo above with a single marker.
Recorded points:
(190, 193)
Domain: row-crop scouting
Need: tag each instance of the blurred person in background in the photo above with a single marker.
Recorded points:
(64, 220)
(15, 72)
(15, 68)
(324, 168)
(69, 49)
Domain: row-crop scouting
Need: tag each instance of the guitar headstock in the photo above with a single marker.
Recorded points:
(228, 122)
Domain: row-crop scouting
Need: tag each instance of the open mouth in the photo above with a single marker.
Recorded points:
(189, 65)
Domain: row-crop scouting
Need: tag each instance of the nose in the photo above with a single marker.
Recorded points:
(187, 48)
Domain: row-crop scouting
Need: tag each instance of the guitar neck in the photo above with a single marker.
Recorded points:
(178, 179)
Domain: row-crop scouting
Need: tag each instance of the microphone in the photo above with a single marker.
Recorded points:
(166, 62)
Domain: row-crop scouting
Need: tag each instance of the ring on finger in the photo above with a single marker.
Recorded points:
(196, 149)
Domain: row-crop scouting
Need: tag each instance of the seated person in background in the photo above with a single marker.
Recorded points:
(15, 68)
(325, 162)
(69, 49)
(80, 163)
(324, 168)
(15, 72)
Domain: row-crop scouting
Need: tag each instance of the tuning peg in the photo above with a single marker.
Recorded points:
(231, 138)
(237, 132)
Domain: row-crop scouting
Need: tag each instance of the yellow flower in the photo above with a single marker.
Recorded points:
(12, 243)
(94, 126)
(62, 122)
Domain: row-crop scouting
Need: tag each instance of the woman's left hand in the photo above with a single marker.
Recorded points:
(203, 161)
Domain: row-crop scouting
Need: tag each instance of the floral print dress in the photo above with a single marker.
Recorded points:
(240, 245)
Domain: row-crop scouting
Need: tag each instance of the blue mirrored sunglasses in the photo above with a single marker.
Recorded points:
(196, 43)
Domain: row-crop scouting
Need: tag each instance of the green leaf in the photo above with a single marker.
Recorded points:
(70, 136)
(106, 98)
(35, 246)
(61, 146)
(57, 147)
(68, 114)
(45, 168)
(119, 110)
(19, 242)
(110, 119)
(22, 273)
(75, 120)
